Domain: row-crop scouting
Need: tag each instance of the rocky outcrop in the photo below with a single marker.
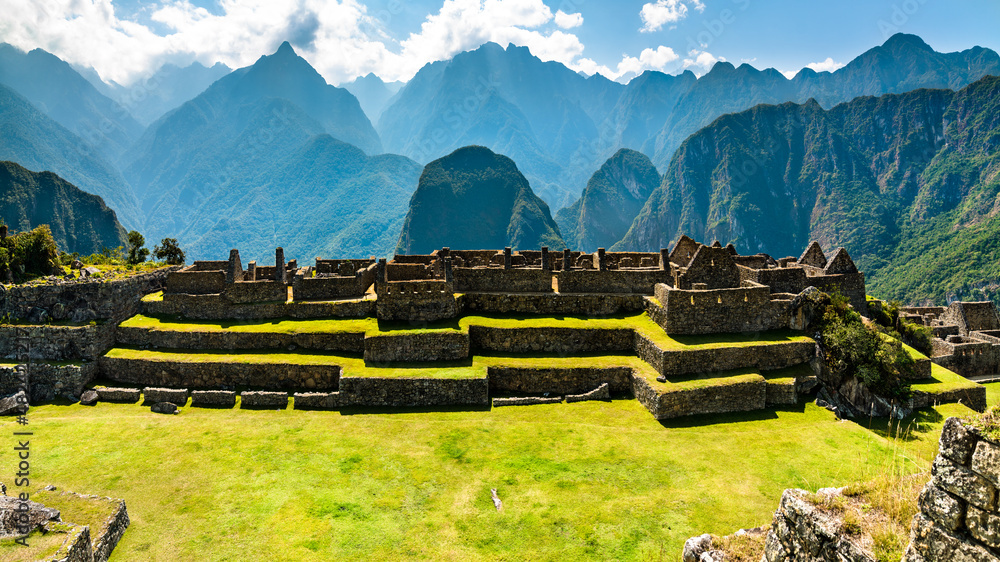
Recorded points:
(803, 531)
(959, 520)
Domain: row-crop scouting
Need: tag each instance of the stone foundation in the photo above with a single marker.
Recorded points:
(350, 342)
(740, 393)
(358, 391)
(563, 341)
(263, 399)
(176, 396)
(213, 398)
(213, 374)
(420, 346)
(526, 380)
(129, 395)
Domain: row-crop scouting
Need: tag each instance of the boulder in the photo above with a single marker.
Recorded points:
(11, 518)
(89, 271)
(696, 546)
(14, 405)
(164, 408)
(89, 397)
(77, 264)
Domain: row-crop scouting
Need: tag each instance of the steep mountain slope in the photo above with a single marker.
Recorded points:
(613, 197)
(541, 114)
(243, 126)
(53, 87)
(373, 94)
(322, 198)
(475, 199)
(35, 141)
(80, 222)
(883, 176)
(903, 63)
(169, 87)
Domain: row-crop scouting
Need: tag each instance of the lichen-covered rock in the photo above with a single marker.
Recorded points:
(803, 532)
(942, 507)
(12, 521)
(964, 483)
(89, 397)
(695, 546)
(957, 443)
(986, 461)
(931, 543)
(984, 526)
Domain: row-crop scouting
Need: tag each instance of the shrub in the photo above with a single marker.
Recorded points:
(169, 251)
(28, 254)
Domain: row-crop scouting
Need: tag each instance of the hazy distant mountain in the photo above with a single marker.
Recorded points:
(373, 94)
(243, 165)
(33, 140)
(907, 181)
(475, 199)
(541, 114)
(59, 91)
(613, 197)
(80, 222)
(323, 198)
(149, 99)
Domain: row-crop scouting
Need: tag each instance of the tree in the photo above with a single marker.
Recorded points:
(137, 253)
(169, 251)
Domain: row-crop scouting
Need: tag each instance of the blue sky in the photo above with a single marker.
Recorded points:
(128, 39)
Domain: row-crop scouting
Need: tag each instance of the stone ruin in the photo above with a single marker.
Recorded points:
(966, 337)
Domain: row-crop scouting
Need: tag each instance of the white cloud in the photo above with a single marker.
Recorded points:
(568, 21)
(701, 60)
(829, 65)
(648, 60)
(655, 15)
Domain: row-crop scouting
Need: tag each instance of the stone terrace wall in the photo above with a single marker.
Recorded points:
(577, 380)
(502, 280)
(46, 381)
(691, 361)
(742, 394)
(358, 391)
(245, 292)
(428, 346)
(329, 288)
(196, 282)
(746, 309)
(352, 342)
(959, 519)
(215, 374)
(214, 307)
(553, 304)
(633, 281)
(780, 279)
(58, 343)
(82, 301)
(551, 340)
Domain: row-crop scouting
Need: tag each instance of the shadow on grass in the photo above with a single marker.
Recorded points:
(363, 410)
(906, 429)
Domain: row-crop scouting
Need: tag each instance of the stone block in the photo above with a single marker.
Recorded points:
(964, 483)
(316, 400)
(176, 396)
(526, 401)
(213, 398)
(932, 543)
(264, 399)
(942, 507)
(130, 395)
(984, 526)
(986, 461)
(957, 443)
(600, 393)
(164, 408)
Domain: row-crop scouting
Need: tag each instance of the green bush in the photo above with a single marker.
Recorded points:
(28, 254)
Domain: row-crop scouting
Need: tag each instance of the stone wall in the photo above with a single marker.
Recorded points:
(528, 380)
(552, 304)
(563, 341)
(192, 282)
(58, 343)
(959, 519)
(81, 301)
(803, 532)
(205, 374)
(972, 316)
(739, 394)
(46, 381)
(630, 281)
(764, 355)
(351, 342)
(214, 307)
(413, 392)
(968, 358)
(420, 346)
(495, 280)
(779, 279)
(713, 311)
(246, 292)
(329, 288)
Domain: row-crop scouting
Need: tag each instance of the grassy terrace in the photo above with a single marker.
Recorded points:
(596, 480)
(370, 326)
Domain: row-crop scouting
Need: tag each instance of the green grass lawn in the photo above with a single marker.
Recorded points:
(594, 480)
